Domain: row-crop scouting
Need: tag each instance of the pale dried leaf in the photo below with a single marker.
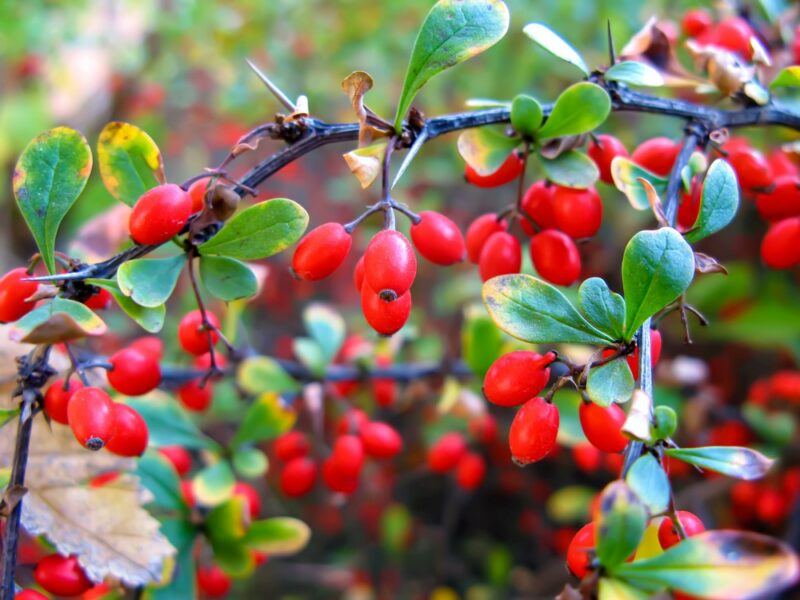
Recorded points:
(356, 85)
(728, 74)
(106, 527)
(637, 423)
(366, 163)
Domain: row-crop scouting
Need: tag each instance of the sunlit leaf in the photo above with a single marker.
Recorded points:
(49, 176)
(485, 148)
(59, 320)
(627, 174)
(550, 41)
(736, 461)
(278, 536)
(789, 77)
(453, 31)
(578, 109)
(635, 73)
(614, 589)
(129, 161)
(150, 281)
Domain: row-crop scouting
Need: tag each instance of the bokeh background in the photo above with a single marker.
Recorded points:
(177, 69)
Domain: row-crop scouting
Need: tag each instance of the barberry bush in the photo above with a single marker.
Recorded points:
(160, 439)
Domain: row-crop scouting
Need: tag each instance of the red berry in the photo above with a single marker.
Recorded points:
(213, 581)
(335, 480)
(780, 163)
(580, 551)
(149, 345)
(479, 231)
(14, 293)
(353, 421)
(533, 431)
(358, 274)
(780, 248)
(180, 458)
(445, 454)
(603, 151)
(501, 255)
(578, 212)
(385, 317)
(195, 397)
(130, 432)
(734, 34)
(508, 171)
(298, 477)
(696, 22)
(689, 208)
(193, 335)
(160, 214)
(783, 201)
(555, 257)
(187, 492)
(292, 444)
(668, 537)
(57, 398)
(380, 440)
(471, 471)
(321, 251)
(657, 155)
(602, 426)
(538, 204)
(61, 575)
(772, 506)
(133, 373)
(586, 457)
(390, 264)
(250, 496)
(203, 361)
(90, 414)
(30, 594)
(438, 239)
(655, 353)
(347, 456)
(752, 169)
(484, 429)
(197, 193)
(517, 377)
(101, 299)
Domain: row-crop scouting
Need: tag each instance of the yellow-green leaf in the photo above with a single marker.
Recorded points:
(59, 320)
(129, 161)
(278, 536)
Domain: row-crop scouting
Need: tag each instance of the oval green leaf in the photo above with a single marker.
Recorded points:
(214, 484)
(579, 109)
(250, 463)
(719, 201)
(129, 160)
(647, 478)
(149, 319)
(227, 278)
(453, 31)
(267, 418)
(620, 524)
(572, 169)
(326, 327)
(635, 73)
(535, 311)
(526, 115)
(49, 176)
(259, 374)
(485, 148)
(735, 461)
(278, 536)
(550, 41)
(150, 281)
(259, 231)
(481, 341)
(610, 383)
(657, 267)
(603, 308)
(787, 78)
(59, 320)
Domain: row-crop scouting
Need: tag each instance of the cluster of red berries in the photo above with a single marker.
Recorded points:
(732, 34)
(384, 274)
(450, 453)
(357, 438)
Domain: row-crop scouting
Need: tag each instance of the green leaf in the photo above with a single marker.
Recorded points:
(59, 320)
(453, 31)
(535, 311)
(250, 463)
(555, 45)
(168, 424)
(481, 340)
(647, 478)
(395, 527)
(149, 319)
(265, 419)
(610, 383)
(182, 535)
(326, 327)
(226, 520)
(735, 461)
(311, 354)
(603, 308)
(620, 524)
(626, 175)
(579, 109)
(259, 231)
(150, 281)
(129, 161)
(278, 536)
(570, 504)
(6, 414)
(259, 374)
(572, 169)
(734, 565)
(719, 203)
(657, 267)
(776, 426)
(160, 477)
(635, 73)
(789, 77)
(48, 177)
(485, 148)
(227, 278)
(614, 589)
(526, 115)
(214, 484)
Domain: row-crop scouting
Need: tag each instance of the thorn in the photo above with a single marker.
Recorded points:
(276, 91)
(612, 56)
(412, 152)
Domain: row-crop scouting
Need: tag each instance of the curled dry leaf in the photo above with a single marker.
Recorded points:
(637, 424)
(652, 46)
(725, 71)
(655, 202)
(106, 526)
(366, 163)
(555, 147)
(703, 263)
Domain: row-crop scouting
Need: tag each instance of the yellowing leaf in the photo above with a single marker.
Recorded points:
(129, 160)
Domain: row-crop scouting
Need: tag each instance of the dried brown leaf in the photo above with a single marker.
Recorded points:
(366, 163)
(637, 423)
(652, 46)
(703, 263)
